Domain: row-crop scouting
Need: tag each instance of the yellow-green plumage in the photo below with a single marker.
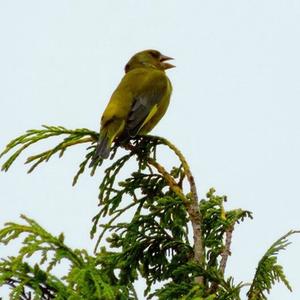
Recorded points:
(138, 103)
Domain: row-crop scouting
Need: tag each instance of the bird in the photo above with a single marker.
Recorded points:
(138, 103)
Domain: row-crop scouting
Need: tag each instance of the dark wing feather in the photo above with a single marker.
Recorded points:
(143, 104)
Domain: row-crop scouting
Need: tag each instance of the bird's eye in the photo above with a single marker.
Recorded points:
(155, 54)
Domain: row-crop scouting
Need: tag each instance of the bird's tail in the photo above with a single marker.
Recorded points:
(106, 138)
(102, 148)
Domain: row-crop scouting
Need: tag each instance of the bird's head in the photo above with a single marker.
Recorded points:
(149, 59)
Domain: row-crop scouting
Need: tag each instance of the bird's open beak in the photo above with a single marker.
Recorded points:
(165, 65)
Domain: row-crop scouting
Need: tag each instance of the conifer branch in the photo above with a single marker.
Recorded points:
(169, 179)
(184, 162)
(152, 243)
(192, 205)
(108, 225)
(21, 143)
(269, 271)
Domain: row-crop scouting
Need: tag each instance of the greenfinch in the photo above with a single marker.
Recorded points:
(138, 103)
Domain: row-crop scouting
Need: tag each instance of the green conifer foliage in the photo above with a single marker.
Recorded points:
(170, 236)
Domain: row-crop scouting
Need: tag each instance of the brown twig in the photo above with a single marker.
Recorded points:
(224, 256)
(226, 252)
(192, 205)
(169, 179)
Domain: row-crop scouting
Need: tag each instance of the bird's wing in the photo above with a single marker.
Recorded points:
(145, 103)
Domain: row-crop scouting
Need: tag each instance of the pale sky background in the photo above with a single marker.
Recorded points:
(234, 111)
